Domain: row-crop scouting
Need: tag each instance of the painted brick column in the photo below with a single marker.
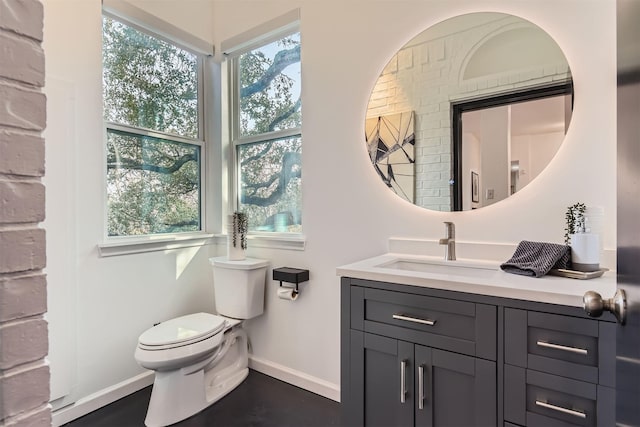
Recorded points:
(24, 373)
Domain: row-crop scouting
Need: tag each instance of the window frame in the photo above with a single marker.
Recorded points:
(237, 140)
(118, 245)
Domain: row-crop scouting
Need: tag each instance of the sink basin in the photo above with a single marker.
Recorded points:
(423, 265)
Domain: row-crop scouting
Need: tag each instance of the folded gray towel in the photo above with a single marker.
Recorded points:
(537, 258)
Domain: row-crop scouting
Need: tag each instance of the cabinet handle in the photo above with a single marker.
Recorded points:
(421, 387)
(562, 347)
(578, 414)
(414, 319)
(403, 380)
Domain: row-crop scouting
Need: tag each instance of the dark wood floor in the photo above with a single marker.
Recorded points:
(259, 401)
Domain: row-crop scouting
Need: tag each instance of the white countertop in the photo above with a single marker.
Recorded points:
(488, 279)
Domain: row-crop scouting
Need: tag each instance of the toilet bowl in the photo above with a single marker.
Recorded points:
(199, 358)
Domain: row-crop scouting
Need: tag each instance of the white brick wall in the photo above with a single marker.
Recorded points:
(426, 77)
(24, 373)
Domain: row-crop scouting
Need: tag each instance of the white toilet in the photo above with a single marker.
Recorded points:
(201, 357)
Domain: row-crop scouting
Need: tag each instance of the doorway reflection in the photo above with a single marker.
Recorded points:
(500, 144)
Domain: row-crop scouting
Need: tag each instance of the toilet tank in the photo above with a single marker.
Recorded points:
(239, 286)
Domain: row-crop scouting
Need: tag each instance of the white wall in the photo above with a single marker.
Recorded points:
(348, 214)
(534, 152)
(112, 299)
(495, 137)
(193, 16)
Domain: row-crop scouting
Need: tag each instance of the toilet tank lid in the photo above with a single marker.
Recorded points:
(181, 329)
(245, 264)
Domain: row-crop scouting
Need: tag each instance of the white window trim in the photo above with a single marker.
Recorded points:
(140, 131)
(283, 241)
(232, 48)
(150, 243)
(147, 23)
(265, 33)
(142, 20)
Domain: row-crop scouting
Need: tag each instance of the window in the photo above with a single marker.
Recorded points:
(266, 131)
(154, 139)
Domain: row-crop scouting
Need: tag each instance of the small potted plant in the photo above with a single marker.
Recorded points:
(238, 227)
(585, 246)
(575, 221)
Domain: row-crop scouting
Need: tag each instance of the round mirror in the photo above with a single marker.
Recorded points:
(469, 111)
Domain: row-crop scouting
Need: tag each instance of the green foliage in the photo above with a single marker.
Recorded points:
(575, 221)
(147, 82)
(240, 229)
(266, 98)
(153, 184)
(270, 186)
(271, 183)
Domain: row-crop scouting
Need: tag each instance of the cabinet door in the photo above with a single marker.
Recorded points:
(453, 389)
(384, 376)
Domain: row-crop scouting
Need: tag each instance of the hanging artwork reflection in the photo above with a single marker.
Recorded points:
(391, 145)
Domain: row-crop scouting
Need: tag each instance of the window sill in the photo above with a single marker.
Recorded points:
(128, 245)
(296, 242)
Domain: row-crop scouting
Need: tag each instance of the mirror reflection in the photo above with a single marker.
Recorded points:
(469, 111)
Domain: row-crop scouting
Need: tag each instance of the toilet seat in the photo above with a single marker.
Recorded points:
(181, 331)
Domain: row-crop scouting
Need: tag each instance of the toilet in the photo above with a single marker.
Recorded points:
(200, 357)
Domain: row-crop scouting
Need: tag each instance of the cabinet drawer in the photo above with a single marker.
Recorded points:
(459, 326)
(581, 349)
(539, 399)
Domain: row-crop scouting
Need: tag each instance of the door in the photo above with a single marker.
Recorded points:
(382, 381)
(453, 389)
(628, 336)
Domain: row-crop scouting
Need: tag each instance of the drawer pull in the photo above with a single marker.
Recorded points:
(578, 414)
(403, 380)
(414, 319)
(563, 347)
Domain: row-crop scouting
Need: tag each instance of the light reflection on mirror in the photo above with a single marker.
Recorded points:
(469, 111)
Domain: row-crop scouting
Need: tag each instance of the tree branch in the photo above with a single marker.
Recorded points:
(178, 226)
(263, 184)
(256, 156)
(126, 163)
(287, 173)
(282, 60)
(285, 115)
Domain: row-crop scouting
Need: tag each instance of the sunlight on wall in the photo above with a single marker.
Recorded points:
(184, 258)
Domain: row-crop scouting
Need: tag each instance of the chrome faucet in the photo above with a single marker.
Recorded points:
(450, 241)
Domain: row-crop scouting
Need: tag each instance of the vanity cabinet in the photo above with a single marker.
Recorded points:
(431, 357)
(420, 360)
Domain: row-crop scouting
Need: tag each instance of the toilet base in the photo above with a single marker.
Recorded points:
(184, 392)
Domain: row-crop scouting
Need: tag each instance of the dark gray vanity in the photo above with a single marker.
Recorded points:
(433, 356)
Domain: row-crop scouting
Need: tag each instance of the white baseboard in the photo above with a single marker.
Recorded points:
(109, 395)
(101, 398)
(296, 378)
